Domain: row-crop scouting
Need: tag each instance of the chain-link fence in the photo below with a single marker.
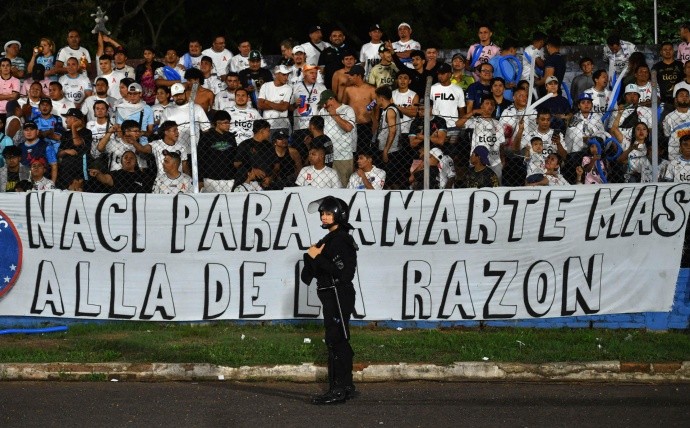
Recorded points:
(518, 148)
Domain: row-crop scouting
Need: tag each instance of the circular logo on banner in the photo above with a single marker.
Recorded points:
(10, 254)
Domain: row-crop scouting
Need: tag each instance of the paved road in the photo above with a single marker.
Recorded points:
(413, 404)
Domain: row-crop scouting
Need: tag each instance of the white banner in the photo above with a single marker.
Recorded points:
(504, 253)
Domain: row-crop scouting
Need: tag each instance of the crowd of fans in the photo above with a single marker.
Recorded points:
(329, 115)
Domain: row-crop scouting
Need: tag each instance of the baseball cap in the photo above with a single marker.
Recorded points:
(483, 154)
(30, 124)
(375, 27)
(356, 70)
(632, 89)
(383, 48)
(682, 86)
(12, 152)
(444, 68)
(437, 153)
(551, 79)
(42, 161)
(45, 100)
(325, 96)
(281, 69)
(585, 96)
(74, 112)
(458, 55)
(314, 28)
(177, 89)
(404, 24)
(254, 55)
(310, 67)
(172, 153)
(134, 87)
(121, 50)
(298, 49)
(280, 135)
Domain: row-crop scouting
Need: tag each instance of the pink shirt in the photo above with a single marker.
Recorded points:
(487, 52)
(684, 52)
(7, 87)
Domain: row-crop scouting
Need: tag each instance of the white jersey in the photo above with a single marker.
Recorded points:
(486, 132)
(276, 94)
(600, 100)
(405, 99)
(87, 106)
(536, 164)
(160, 72)
(510, 121)
(75, 88)
(308, 98)
(645, 92)
(447, 101)
(221, 59)
(321, 178)
(158, 110)
(377, 178)
(115, 148)
(549, 146)
(43, 184)
(180, 114)
(527, 54)
(224, 100)
(187, 61)
(242, 122)
(113, 79)
(126, 70)
(409, 45)
(239, 63)
(60, 107)
(67, 52)
(214, 84)
(618, 61)
(369, 57)
(157, 148)
(344, 143)
(313, 52)
(98, 130)
(172, 186)
(583, 127)
(675, 125)
(678, 170)
(557, 180)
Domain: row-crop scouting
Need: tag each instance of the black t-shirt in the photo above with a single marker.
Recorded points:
(260, 154)
(12, 180)
(72, 166)
(557, 62)
(131, 182)
(478, 179)
(217, 153)
(668, 75)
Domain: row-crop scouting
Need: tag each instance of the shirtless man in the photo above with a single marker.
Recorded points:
(340, 77)
(360, 96)
(204, 97)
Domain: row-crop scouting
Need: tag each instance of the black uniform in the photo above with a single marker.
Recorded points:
(334, 270)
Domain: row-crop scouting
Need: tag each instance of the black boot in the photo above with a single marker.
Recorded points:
(334, 396)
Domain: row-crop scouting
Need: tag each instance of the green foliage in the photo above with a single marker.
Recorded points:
(450, 23)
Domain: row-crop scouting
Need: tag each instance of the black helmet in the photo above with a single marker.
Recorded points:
(336, 206)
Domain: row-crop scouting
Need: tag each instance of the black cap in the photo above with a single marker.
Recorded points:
(375, 27)
(444, 68)
(356, 69)
(314, 28)
(74, 112)
(280, 135)
(45, 100)
(30, 124)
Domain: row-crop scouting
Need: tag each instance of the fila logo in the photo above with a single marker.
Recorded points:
(444, 97)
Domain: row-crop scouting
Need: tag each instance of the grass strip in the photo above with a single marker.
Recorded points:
(234, 345)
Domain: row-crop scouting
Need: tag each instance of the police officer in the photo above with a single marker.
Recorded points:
(332, 261)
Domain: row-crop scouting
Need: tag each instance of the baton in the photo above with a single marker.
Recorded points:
(340, 311)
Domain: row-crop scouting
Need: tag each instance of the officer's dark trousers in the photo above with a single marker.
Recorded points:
(339, 350)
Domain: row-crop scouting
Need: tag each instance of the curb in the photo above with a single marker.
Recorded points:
(601, 371)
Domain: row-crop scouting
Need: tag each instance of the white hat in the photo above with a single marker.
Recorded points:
(281, 69)
(11, 42)
(298, 48)
(679, 86)
(436, 152)
(632, 89)
(404, 24)
(551, 79)
(177, 89)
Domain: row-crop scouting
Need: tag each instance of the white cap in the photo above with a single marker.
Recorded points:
(281, 69)
(177, 89)
(404, 24)
(11, 42)
(436, 152)
(632, 89)
(679, 86)
(298, 48)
